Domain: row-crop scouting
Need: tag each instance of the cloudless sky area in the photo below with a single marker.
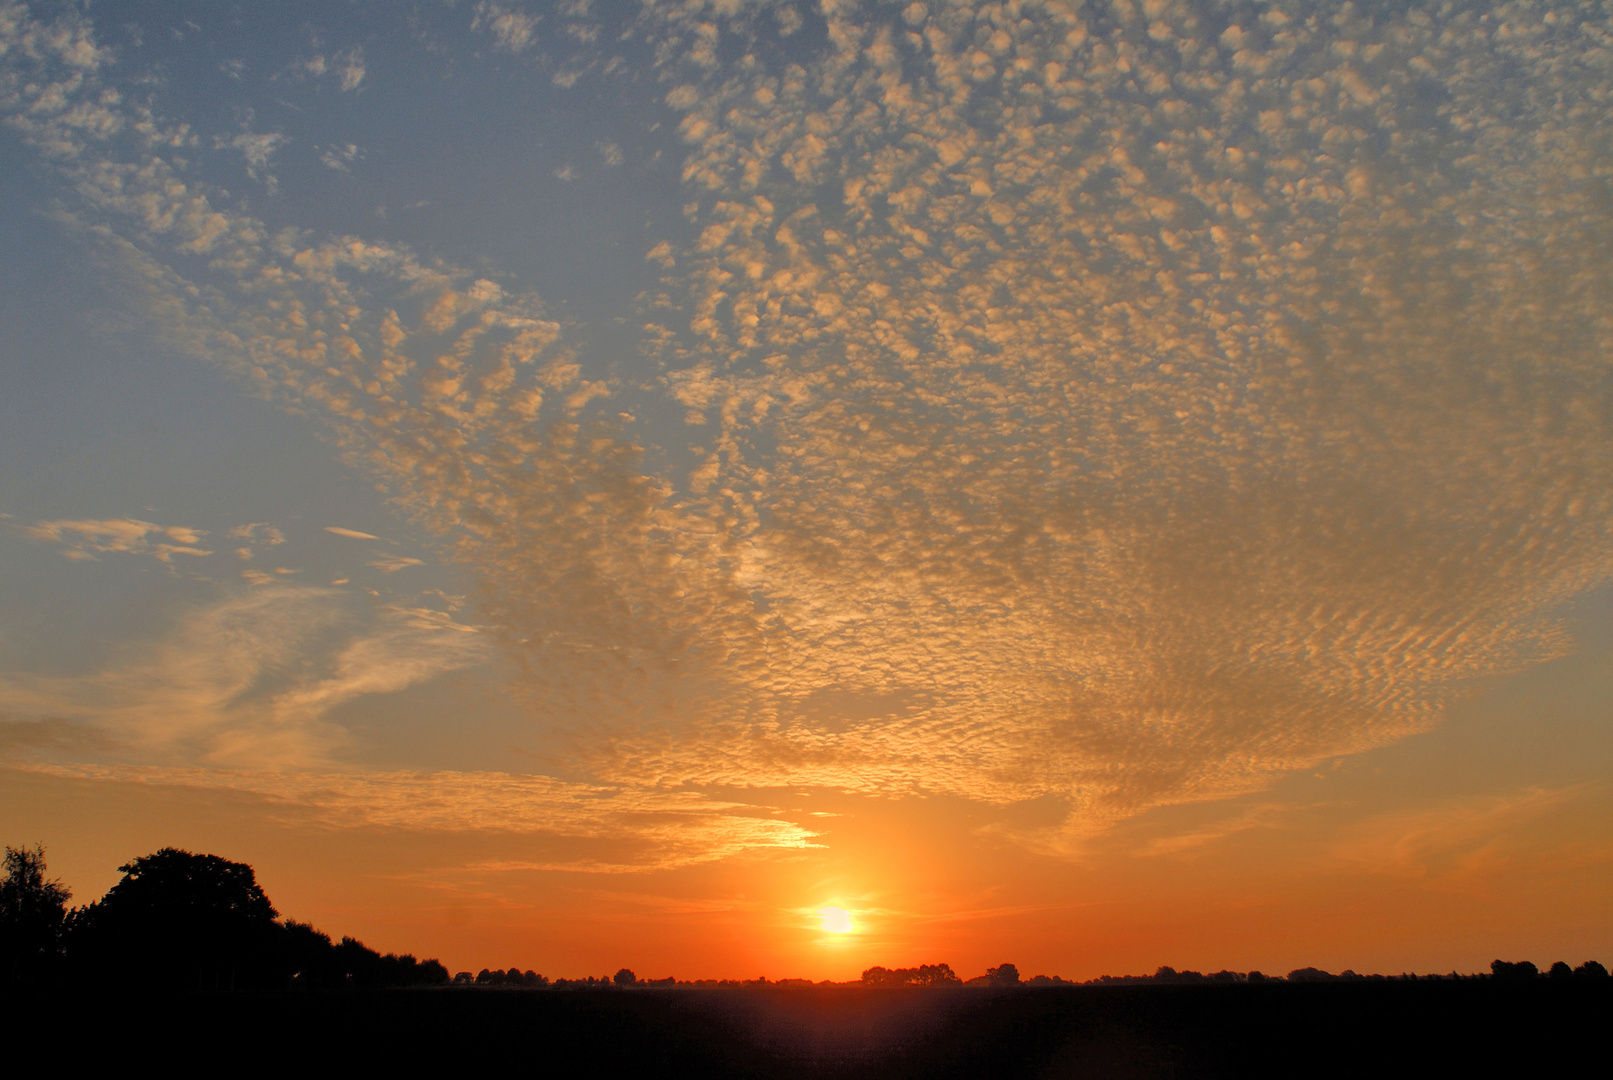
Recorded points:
(576, 485)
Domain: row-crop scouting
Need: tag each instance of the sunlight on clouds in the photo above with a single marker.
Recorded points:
(250, 680)
(628, 830)
(1101, 403)
(1163, 420)
(1483, 836)
(351, 534)
(86, 539)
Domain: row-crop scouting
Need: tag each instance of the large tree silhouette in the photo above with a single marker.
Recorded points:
(183, 921)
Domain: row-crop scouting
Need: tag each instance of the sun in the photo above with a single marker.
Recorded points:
(836, 920)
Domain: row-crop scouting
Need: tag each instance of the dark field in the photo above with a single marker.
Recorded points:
(1336, 1029)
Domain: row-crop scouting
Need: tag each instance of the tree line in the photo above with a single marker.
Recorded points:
(179, 921)
(182, 921)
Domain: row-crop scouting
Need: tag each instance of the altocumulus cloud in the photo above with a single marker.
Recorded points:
(129, 536)
(1120, 403)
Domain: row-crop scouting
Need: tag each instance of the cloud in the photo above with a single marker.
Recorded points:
(351, 534)
(625, 830)
(256, 150)
(513, 30)
(1112, 411)
(86, 539)
(258, 532)
(1479, 835)
(251, 679)
(340, 157)
(351, 66)
(391, 564)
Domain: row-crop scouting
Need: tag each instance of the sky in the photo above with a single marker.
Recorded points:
(587, 485)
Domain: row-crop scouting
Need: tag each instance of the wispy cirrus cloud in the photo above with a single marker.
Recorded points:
(1482, 835)
(622, 830)
(251, 679)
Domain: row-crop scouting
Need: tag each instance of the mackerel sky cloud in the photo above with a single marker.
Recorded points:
(1066, 412)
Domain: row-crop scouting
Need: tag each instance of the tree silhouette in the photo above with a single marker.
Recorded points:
(923, 975)
(184, 921)
(1523, 970)
(1003, 975)
(624, 977)
(1311, 974)
(33, 912)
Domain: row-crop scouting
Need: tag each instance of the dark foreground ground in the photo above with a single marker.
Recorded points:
(1332, 1029)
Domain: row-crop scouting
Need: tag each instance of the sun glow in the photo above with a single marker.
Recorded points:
(836, 920)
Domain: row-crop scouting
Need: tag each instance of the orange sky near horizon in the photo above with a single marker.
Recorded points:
(1397, 861)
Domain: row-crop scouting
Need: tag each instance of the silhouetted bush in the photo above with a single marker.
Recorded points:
(1590, 969)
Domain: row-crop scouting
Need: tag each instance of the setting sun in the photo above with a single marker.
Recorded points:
(836, 920)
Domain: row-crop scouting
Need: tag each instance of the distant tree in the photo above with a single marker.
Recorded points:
(181, 920)
(1523, 970)
(624, 977)
(1560, 970)
(33, 914)
(1310, 974)
(1590, 969)
(1003, 975)
(1257, 977)
(923, 975)
(935, 975)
